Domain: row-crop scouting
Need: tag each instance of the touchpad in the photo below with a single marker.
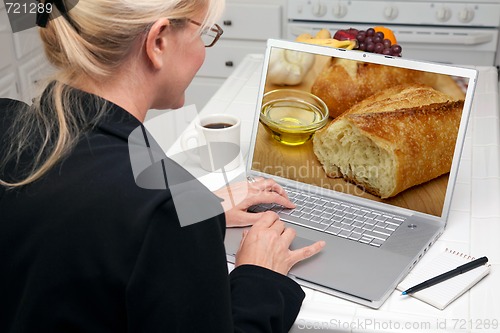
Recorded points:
(300, 242)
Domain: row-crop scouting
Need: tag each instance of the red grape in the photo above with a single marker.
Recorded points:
(396, 50)
(373, 41)
(361, 37)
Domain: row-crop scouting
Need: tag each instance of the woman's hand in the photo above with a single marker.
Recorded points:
(242, 195)
(267, 244)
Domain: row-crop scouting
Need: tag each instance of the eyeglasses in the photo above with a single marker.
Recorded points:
(211, 35)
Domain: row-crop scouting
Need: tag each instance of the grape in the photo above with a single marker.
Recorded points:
(371, 41)
(396, 49)
(361, 36)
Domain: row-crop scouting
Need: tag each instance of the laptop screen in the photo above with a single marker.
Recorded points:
(388, 133)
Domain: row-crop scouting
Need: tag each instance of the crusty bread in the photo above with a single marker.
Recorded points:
(391, 141)
(343, 83)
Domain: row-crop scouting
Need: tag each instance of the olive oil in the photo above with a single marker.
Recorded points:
(291, 122)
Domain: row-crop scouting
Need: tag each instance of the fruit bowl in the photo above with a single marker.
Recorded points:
(292, 116)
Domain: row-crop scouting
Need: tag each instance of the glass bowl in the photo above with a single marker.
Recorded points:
(292, 116)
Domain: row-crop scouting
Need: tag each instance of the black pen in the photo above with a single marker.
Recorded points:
(445, 276)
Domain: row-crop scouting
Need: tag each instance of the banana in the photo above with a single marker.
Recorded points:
(323, 33)
(344, 44)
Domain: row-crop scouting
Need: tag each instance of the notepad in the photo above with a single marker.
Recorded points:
(442, 294)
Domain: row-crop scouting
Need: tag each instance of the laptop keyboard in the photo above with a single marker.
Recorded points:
(337, 218)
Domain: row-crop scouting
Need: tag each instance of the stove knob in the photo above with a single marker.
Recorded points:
(391, 12)
(466, 15)
(339, 10)
(319, 9)
(443, 14)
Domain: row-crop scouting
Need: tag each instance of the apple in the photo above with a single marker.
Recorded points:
(346, 34)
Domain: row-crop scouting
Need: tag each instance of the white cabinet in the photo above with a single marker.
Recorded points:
(8, 87)
(22, 61)
(247, 26)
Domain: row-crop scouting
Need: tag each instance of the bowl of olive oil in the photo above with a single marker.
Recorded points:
(292, 116)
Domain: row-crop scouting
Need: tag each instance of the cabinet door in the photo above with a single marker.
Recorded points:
(8, 88)
(6, 56)
(201, 90)
(251, 21)
(27, 42)
(33, 74)
(222, 59)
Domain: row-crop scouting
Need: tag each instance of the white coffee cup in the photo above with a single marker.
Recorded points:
(218, 142)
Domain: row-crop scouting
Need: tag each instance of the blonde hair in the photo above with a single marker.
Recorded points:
(97, 41)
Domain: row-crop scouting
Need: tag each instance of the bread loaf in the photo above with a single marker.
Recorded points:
(393, 140)
(343, 83)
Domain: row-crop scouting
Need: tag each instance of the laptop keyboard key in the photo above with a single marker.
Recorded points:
(376, 242)
(306, 217)
(286, 211)
(344, 233)
(304, 223)
(316, 219)
(355, 236)
(306, 210)
(326, 222)
(333, 230)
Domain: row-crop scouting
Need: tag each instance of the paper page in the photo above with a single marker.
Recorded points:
(443, 293)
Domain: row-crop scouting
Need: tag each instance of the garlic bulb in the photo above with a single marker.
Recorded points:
(287, 67)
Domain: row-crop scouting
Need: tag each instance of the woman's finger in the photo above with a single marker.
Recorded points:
(268, 184)
(306, 252)
(275, 187)
(267, 219)
(242, 218)
(265, 198)
(273, 197)
(288, 236)
(278, 225)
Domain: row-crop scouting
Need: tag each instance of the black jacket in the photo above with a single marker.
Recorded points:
(84, 249)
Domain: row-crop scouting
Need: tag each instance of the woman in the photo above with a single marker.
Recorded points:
(82, 247)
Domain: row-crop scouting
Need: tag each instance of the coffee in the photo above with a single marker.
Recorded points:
(217, 141)
(217, 125)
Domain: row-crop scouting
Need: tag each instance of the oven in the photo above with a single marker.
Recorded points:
(449, 31)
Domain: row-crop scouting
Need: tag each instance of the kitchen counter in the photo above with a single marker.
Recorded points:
(473, 226)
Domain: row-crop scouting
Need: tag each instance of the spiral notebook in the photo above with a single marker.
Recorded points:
(442, 294)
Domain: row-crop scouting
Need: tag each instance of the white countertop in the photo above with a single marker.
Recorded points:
(473, 227)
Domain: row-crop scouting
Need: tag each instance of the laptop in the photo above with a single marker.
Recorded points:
(362, 262)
